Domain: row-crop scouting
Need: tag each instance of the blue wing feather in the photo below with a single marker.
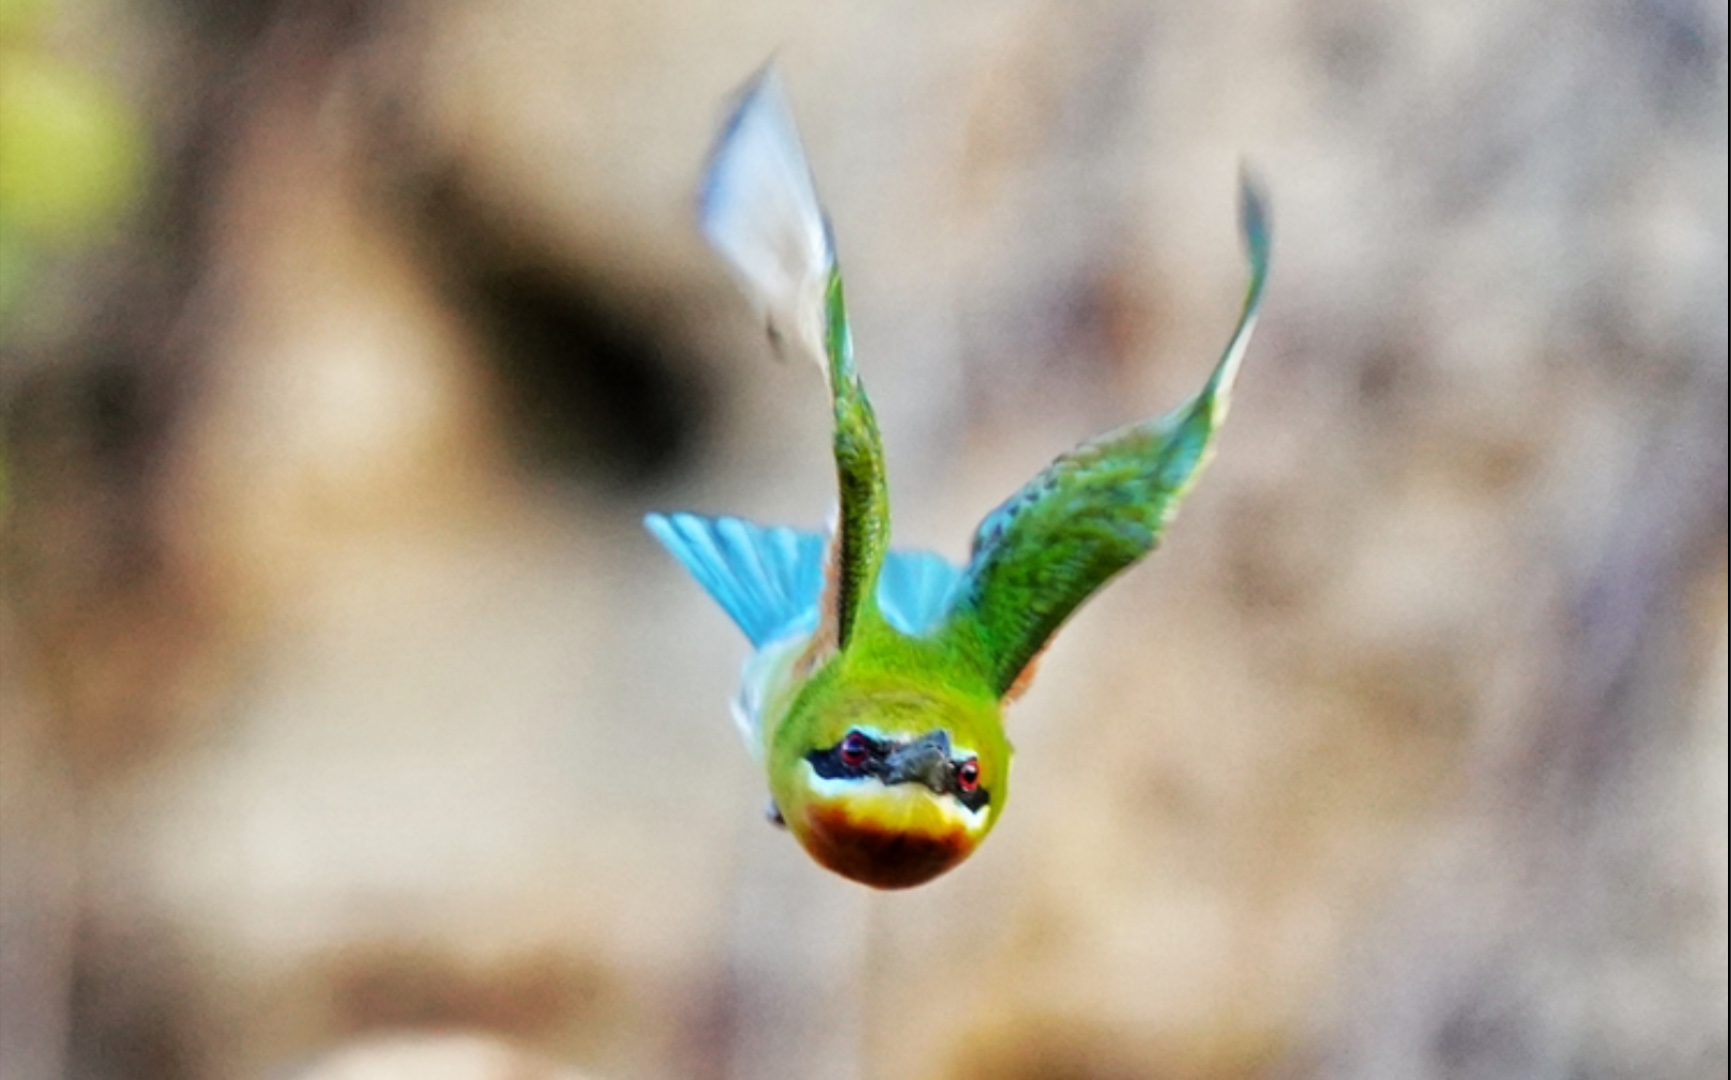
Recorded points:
(768, 580)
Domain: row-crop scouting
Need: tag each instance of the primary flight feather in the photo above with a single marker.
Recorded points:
(875, 691)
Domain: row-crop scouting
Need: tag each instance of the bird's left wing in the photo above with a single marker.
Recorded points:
(1093, 511)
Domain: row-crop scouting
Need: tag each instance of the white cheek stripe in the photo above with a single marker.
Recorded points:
(954, 812)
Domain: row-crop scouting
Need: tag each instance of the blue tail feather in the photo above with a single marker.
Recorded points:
(914, 589)
(769, 579)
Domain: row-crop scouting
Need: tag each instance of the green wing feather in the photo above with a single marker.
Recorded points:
(863, 514)
(1093, 511)
(759, 209)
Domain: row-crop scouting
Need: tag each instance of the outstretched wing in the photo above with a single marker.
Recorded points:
(1093, 511)
(759, 209)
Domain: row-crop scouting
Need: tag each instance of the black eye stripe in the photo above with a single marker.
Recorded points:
(828, 764)
(974, 799)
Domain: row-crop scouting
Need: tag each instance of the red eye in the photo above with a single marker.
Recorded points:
(968, 775)
(855, 750)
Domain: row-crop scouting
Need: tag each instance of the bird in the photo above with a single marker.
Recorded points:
(874, 694)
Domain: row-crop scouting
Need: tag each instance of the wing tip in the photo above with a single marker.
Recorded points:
(757, 206)
(1256, 230)
(1254, 222)
(763, 90)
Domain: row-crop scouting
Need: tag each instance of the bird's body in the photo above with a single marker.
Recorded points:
(885, 759)
(874, 696)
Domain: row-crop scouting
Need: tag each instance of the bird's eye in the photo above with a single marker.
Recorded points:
(855, 750)
(968, 776)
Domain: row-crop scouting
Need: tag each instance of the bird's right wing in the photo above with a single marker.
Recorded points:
(759, 209)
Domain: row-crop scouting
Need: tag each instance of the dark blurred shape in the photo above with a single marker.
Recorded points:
(128, 1010)
(1688, 59)
(599, 379)
(84, 551)
(587, 381)
(233, 26)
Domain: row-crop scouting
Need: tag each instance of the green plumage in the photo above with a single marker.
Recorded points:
(863, 521)
(875, 696)
(1093, 511)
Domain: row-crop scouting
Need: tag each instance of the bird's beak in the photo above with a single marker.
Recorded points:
(925, 760)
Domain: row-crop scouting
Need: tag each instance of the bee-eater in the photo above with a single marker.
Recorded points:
(875, 693)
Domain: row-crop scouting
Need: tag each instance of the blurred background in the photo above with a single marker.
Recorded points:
(354, 728)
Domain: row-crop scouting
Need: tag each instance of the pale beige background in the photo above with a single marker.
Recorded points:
(345, 699)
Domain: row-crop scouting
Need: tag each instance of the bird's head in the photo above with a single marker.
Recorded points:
(891, 786)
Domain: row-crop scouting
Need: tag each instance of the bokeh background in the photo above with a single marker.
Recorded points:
(354, 728)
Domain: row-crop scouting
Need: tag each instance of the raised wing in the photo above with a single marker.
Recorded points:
(759, 209)
(1093, 511)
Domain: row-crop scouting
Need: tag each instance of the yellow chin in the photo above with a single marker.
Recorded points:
(888, 837)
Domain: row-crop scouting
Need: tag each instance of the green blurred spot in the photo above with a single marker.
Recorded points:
(16, 263)
(20, 18)
(71, 153)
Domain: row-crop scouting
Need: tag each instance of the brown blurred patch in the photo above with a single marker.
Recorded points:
(1065, 1048)
(532, 997)
(111, 617)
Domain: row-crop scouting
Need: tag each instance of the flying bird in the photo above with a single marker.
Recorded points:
(875, 692)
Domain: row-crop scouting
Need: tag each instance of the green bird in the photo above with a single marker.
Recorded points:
(874, 696)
